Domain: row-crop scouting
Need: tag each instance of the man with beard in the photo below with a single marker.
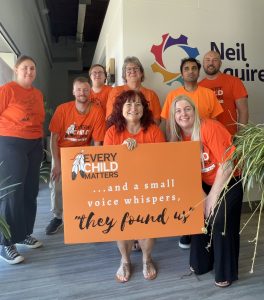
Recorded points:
(73, 124)
(229, 90)
(204, 99)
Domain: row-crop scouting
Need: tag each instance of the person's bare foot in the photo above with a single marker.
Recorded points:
(124, 272)
(149, 270)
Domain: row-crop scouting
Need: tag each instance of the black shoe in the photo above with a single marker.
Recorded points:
(54, 225)
(31, 242)
(11, 255)
(185, 242)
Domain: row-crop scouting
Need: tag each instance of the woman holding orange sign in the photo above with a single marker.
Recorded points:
(223, 217)
(132, 122)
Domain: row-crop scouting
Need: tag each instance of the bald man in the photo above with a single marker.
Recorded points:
(229, 90)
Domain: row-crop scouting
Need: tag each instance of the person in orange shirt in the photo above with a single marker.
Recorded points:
(21, 130)
(229, 90)
(204, 98)
(99, 91)
(73, 124)
(223, 217)
(133, 76)
(131, 122)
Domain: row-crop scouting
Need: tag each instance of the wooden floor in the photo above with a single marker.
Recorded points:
(58, 271)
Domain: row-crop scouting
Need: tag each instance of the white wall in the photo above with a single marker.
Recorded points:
(132, 27)
(6, 73)
(21, 20)
(110, 43)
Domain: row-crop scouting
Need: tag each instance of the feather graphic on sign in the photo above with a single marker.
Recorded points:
(78, 166)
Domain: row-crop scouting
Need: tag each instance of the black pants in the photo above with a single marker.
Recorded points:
(224, 251)
(21, 159)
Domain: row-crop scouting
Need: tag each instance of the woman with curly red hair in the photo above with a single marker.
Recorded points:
(131, 122)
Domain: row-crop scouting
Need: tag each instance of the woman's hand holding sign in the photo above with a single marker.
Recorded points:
(131, 143)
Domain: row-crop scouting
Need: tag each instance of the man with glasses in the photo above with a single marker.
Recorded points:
(133, 76)
(99, 91)
(73, 124)
(204, 99)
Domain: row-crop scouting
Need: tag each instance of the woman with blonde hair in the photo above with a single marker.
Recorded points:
(223, 217)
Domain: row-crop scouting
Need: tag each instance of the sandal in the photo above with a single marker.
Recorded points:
(136, 246)
(149, 270)
(223, 284)
(123, 273)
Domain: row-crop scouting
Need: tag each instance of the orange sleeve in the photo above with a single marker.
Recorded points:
(218, 139)
(110, 101)
(216, 106)
(57, 120)
(99, 127)
(158, 136)
(165, 113)
(239, 90)
(108, 139)
(5, 96)
(155, 105)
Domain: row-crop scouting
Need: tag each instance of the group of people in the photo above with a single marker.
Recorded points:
(208, 112)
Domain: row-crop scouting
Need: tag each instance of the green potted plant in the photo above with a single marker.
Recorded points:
(6, 189)
(248, 157)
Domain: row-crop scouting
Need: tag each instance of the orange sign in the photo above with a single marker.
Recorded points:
(111, 193)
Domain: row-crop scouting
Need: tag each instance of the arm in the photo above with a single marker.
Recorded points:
(221, 178)
(242, 109)
(5, 96)
(130, 143)
(55, 153)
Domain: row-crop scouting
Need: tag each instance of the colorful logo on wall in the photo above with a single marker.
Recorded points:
(159, 52)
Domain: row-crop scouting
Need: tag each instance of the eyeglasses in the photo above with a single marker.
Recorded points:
(132, 69)
(94, 73)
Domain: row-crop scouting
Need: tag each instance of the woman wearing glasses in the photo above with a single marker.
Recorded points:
(99, 90)
(133, 76)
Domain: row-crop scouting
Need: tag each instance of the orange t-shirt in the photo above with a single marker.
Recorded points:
(227, 89)
(204, 99)
(101, 97)
(215, 141)
(22, 111)
(152, 135)
(150, 95)
(75, 129)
